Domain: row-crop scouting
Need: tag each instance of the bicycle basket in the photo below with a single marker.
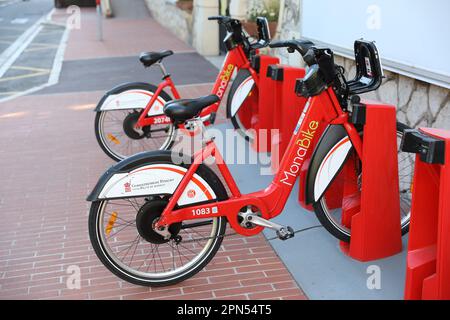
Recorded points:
(369, 72)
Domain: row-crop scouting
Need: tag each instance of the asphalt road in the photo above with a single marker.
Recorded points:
(28, 45)
(16, 16)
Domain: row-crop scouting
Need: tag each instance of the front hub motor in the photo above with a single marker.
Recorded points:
(129, 126)
(146, 219)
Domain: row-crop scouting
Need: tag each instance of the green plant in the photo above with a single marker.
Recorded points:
(269, 9)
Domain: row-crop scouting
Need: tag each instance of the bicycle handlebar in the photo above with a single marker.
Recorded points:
(217, 17)
(234, 26)
(222, 19)
(302, 46)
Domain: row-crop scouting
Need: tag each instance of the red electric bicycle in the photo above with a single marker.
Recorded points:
(158, 217)
(130, 117)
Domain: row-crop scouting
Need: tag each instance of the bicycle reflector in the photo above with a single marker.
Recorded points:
(111, 222)
(113, 138)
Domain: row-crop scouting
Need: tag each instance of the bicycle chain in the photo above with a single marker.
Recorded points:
(208, 238)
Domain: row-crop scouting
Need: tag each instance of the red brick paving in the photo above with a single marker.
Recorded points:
(50, 161)
(122, 37)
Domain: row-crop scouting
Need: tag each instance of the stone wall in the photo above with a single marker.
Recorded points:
(173, 18)
(419, 104)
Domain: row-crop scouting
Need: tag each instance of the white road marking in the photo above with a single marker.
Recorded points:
(56, 68)
(18, 48)
(19, 21)
(9, 56)
(8, 3)
(59, 57)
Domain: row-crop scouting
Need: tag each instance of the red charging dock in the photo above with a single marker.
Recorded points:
(287, 110)
(428, 258)
(373, 214)
(263, 123)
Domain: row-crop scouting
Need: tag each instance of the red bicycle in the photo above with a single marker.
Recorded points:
(130, 117)
(158, 218)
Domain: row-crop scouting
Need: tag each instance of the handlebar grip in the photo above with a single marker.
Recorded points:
(277, 44)
(215, 18)
(310, 57)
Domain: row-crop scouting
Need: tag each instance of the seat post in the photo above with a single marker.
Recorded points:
(162, 68)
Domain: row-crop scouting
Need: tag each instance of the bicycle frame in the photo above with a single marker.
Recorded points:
(144, 119)
(323, 109)
(235, 58)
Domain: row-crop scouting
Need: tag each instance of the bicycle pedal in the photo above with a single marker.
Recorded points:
(285, 233)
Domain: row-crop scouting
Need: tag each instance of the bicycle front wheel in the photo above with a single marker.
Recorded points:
(245, 102)
(329, 208)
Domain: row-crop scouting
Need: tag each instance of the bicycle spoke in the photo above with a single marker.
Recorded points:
(121, 229)
(186, 248)
(138, 254)
(135, 248)
(159, 256)
(129, 247)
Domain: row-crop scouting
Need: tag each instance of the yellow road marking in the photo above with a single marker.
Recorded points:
(41, 46)
(35, 72)
(8, 37)
(46, 33)
(29, 68)
(11, 28)
(8, 93)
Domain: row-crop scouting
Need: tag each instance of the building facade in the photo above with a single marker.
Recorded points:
(419, 101)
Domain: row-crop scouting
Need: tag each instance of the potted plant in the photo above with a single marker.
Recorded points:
(269, 9)
(185, 5)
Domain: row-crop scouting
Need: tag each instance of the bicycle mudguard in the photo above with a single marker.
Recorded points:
(327, 160)
(134, 95)
(240, 95)
(142, 175)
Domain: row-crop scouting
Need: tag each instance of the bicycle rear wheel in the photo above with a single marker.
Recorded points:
(123, 236)
(116, 133)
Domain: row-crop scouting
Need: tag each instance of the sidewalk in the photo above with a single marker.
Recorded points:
(51, 161)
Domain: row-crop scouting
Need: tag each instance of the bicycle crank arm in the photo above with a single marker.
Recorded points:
(283, 232)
